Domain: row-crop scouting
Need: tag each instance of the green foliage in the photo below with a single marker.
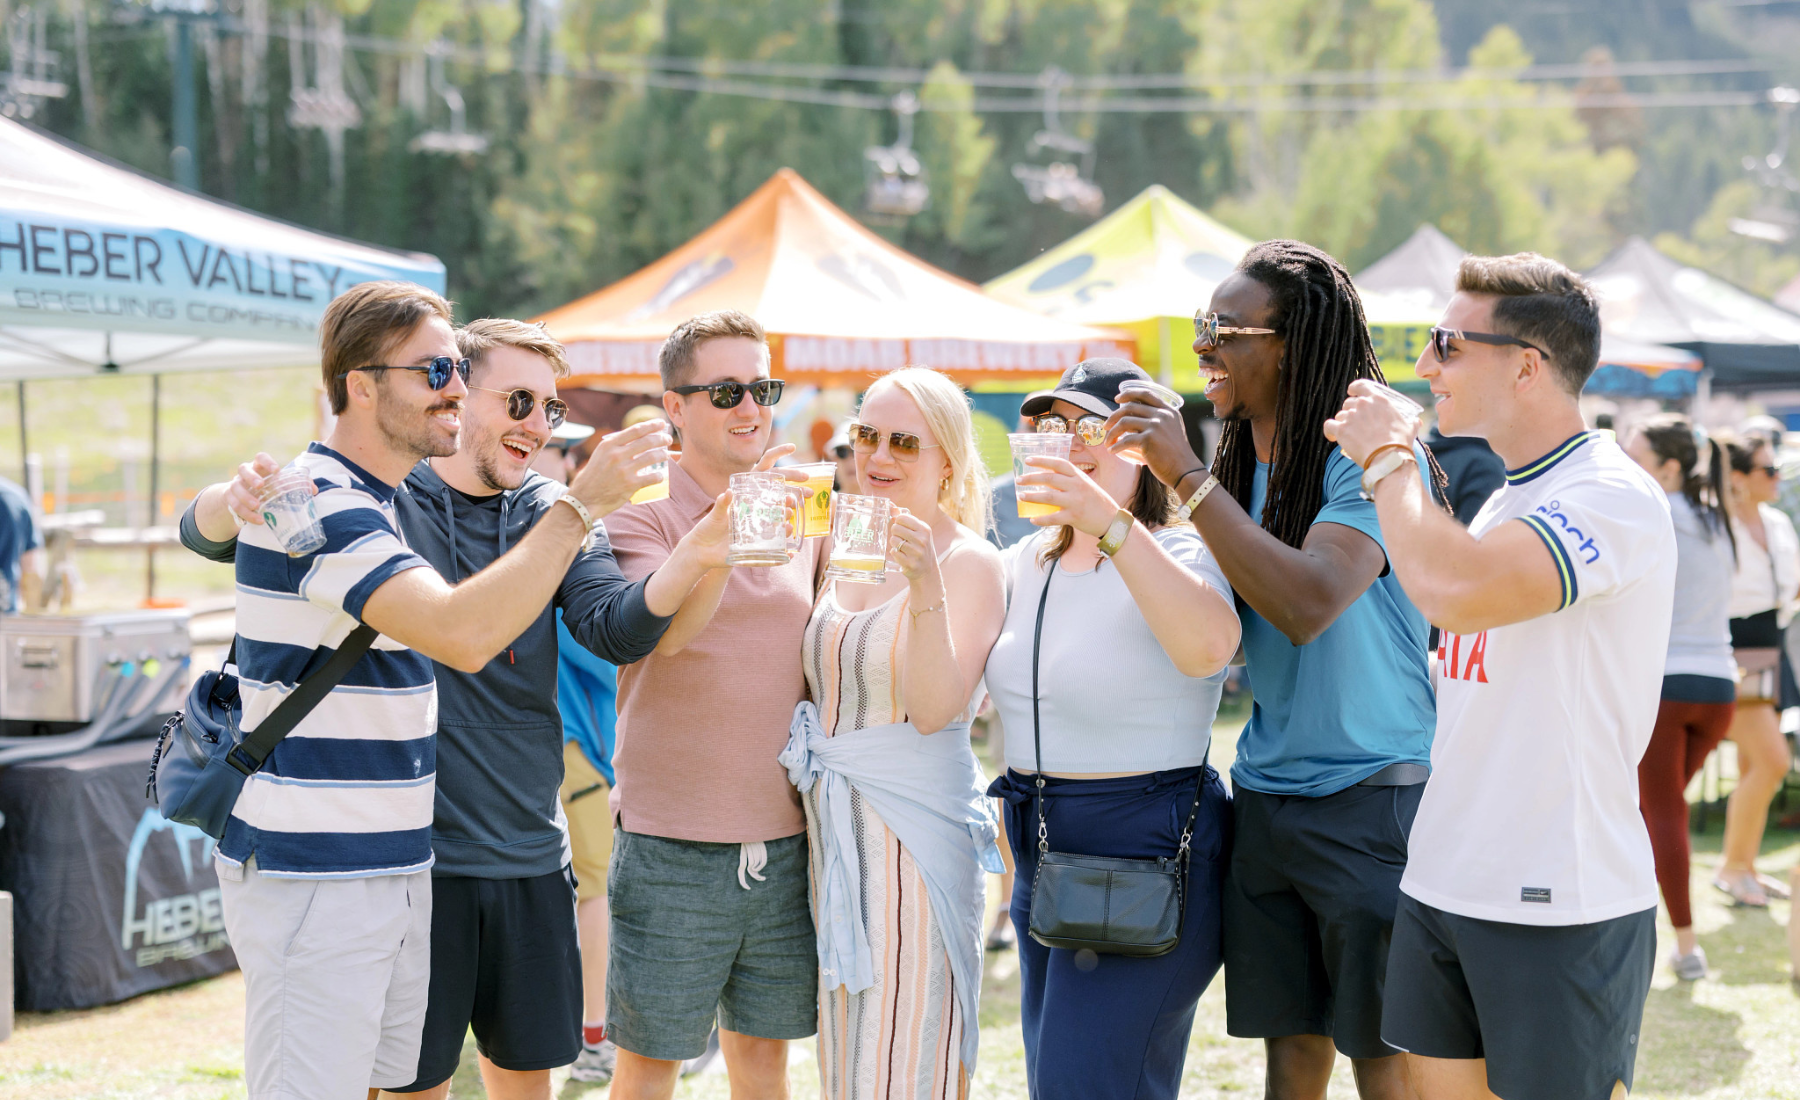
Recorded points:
(1758, 266)
(594, 170)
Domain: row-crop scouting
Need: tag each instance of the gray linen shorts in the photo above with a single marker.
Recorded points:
(691, 945)
(335, 978)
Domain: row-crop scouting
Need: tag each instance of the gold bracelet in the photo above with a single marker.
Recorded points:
(915, 613)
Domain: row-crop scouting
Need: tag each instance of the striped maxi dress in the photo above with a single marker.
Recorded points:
(900, 1039)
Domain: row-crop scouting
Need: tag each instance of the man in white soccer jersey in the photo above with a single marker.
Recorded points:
(1526, 930)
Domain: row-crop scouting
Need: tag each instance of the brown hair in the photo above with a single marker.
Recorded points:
(675, 362)
(1672, 436)
(475, 339)
(1543, 302)
(362, 323)
(1152, 504)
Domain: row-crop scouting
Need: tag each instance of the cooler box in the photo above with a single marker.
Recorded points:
(49, 665)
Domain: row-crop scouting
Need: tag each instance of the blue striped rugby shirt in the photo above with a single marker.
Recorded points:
(348, 793)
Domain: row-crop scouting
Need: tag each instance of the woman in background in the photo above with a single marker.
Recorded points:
(1762, 602)
(1699, 686)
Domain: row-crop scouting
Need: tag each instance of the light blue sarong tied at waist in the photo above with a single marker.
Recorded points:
(929, 789)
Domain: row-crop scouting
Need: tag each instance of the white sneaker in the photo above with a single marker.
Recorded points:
(1689, 968)
(595, 1064)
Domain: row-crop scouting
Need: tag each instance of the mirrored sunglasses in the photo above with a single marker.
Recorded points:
(519, 404)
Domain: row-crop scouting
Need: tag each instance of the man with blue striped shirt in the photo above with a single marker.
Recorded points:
(324, 866)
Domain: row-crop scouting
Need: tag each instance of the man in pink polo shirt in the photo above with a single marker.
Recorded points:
(708, 884)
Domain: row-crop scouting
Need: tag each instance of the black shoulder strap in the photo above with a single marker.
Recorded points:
(249, 755)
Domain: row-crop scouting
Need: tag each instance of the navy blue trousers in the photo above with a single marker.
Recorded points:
(1109, 1027)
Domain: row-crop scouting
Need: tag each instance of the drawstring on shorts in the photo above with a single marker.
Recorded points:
(753, 856)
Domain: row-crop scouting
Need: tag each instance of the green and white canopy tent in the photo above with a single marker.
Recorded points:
(104, 270)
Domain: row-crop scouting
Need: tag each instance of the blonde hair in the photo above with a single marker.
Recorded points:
(967, 500)
(477, 338)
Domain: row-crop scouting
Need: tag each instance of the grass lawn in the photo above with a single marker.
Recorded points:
(1734, 1035)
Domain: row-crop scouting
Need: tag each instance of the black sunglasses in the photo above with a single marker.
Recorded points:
(841, 451)
(728, 395)
(1090, 429)
(437, 372)
(519, 404)
(904, 446)
(1441, 337)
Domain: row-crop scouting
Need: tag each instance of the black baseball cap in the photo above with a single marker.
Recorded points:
(1092, 384)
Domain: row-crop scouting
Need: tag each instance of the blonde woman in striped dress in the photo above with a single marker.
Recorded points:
(911, 649)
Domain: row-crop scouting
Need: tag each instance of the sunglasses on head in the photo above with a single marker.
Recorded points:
(728, 395)
(1208, 331)
(1441, 337)
(904, 446)
(519, 404)
(1090, 429)
(437, 371)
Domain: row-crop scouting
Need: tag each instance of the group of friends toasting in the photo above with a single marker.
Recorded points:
(1432, 862)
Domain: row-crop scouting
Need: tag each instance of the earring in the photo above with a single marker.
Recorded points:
(944, 485)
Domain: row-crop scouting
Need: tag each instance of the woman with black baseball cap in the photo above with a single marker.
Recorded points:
(1106, 676)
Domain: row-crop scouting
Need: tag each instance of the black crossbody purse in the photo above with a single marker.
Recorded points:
(1104, 904)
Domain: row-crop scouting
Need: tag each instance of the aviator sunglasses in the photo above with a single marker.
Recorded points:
(904, 446)
(437, 371)
(1441, 337)
(519, 404)
(727, 395)
(1090, 429)
(1207, 330)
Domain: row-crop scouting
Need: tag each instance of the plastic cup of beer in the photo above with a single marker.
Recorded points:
(1131, 452)
(859, 538)
(1029, 445)
(286, 503)
(764, 520)
(656, 490)
(819, 478)
(1404, 404)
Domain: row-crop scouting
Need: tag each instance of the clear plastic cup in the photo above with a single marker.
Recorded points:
(859, 538)
(764, 519)
(1027, 445)
(656, 491)
(286, 502)
(1131, 452)
(1398, 400)
(819, 479)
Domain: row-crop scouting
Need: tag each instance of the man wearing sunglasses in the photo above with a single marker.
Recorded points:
(504, 952)
(1526, 931)
(1332, 764)
(710, 916)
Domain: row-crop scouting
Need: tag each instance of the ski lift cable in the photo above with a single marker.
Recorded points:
(717, 67)
(687, 74)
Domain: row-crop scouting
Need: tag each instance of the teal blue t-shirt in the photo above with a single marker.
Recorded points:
(1331, 713)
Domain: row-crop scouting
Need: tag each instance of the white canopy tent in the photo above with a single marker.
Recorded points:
(104, 270)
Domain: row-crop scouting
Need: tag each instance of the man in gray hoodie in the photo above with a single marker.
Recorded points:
(504, 952)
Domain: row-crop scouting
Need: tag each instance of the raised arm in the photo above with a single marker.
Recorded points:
(1458, 582)
(1193, 622)
(1299, 591)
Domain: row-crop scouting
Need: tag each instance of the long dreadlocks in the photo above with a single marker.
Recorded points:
(1319, 318)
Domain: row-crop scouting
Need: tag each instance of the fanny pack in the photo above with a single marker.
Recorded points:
(199, 785)
(1105, 904)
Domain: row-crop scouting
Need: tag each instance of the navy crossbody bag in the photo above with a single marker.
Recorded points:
(199, 785)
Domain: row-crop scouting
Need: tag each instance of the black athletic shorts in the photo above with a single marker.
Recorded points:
(504, 959)
(1309, 907)
(1555, 1010)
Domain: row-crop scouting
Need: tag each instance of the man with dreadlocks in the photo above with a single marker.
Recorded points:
(1331, 766)
(1526, 930)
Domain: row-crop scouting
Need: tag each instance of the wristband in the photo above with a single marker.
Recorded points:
(1383, 462)
(1116, 533)
(587, 518)
(1187, 508)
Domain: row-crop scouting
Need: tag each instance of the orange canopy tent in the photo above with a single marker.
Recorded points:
(839, 303)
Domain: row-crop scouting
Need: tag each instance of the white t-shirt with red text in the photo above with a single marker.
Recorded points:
(1531, 814)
